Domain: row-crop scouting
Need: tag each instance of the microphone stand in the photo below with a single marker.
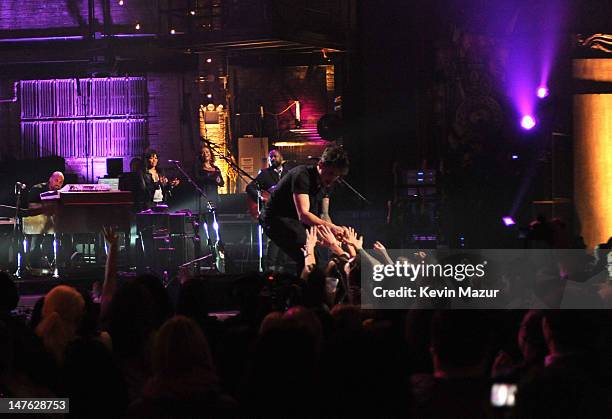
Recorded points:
(18, 231)
(228, 159)
(359, 195)
(245, 175)
(217, 254)
(355, 191)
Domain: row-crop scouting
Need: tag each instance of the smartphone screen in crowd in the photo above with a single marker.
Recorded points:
(503, 394)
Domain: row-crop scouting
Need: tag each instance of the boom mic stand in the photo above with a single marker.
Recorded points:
(359, 196)
(355, 191)
(18, 237)
(217, 253)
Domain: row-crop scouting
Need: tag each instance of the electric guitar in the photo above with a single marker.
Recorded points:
(252, 203)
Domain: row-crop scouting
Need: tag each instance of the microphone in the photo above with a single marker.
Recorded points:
(174, 161)
(20, 185)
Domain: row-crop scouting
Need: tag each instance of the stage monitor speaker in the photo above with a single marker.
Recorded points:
(252, 157)
(114, 166)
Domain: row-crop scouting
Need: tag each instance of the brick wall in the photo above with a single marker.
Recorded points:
(173, 123)
(45, 14)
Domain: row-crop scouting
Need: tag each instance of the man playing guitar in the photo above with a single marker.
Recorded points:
(266, 180)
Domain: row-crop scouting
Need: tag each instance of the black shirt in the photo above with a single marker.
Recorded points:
(149, 187)
(36, 190)
(299, 180)
(210, 181)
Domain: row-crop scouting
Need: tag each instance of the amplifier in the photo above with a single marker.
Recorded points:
(173, 222)
(237, 229)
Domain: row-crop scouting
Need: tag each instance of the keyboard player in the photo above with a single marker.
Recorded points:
(55, 183)
(41, 245)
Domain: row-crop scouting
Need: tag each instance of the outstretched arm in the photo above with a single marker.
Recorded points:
(383, 252)
(302, 206)
(325, 209)
(309, 256)
(110, 273)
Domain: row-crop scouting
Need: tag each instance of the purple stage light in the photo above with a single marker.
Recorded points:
(508, 221)
(528, 122)
(542, 92)
(43, 39)
(515, 157)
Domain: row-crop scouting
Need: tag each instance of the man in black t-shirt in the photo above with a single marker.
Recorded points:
(297, 199)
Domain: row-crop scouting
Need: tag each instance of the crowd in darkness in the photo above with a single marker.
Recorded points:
(303, 348)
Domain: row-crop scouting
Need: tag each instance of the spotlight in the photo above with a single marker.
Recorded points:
(542, 92)
(515, 157)
(508, 221)
(192, 13)
(137, 26)
(209, 95)
(209, 60)
(120, 2)
(528, 122)
(172, 31)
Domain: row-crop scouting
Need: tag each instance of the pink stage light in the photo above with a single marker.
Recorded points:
(542, 92)
(528, 122)
(508, 221)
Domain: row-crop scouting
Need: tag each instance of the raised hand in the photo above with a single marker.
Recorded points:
(110, 235)
(327, 236)
(379, 246)
(338, 230)
(308, 249)
(352, 239)
(328, 239)
(311, 239)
